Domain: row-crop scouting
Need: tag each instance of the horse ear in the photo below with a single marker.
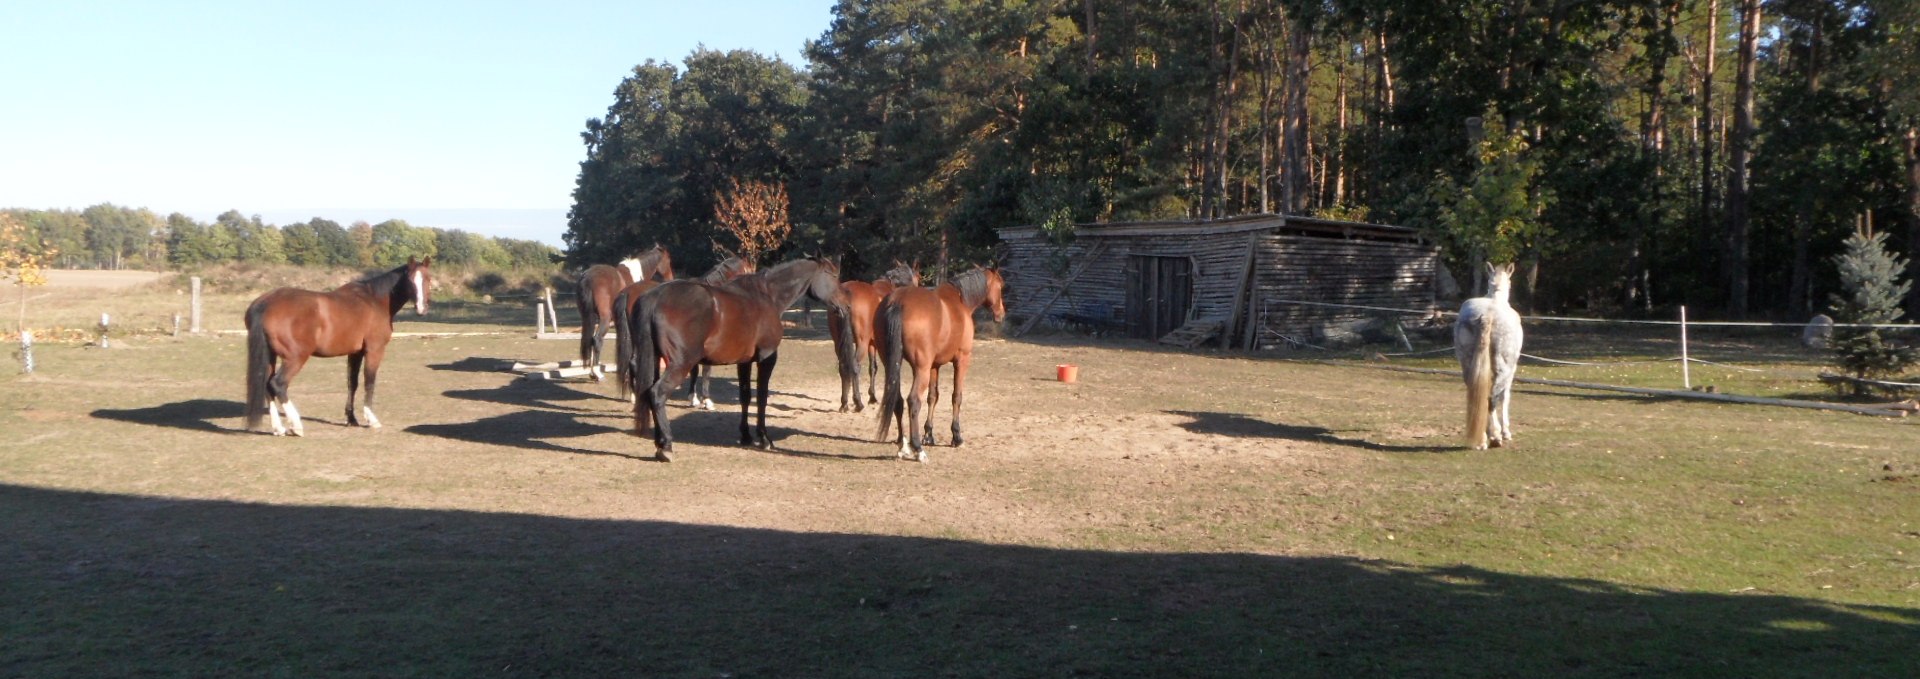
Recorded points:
(412, 260)
(428, 261)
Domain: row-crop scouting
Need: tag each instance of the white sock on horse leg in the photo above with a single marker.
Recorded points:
(273, 411)
(372, 422)
(294, 424)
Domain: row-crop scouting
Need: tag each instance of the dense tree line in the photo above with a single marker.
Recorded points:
(1703, 152)
(108, 236)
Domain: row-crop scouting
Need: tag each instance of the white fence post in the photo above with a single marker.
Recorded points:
(195, 327)
(103, 329)
(1686, 364)
(26, 351)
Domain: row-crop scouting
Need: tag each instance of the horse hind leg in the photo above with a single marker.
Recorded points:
(280, 398)
(959, 378)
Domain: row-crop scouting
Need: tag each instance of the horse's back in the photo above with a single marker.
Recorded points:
(324, 324)
(931, 325)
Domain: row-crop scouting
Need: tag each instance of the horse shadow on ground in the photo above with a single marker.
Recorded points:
(544, 394)
(1241, 426)
(97, 580)
(200, 414)
(479, 364)
(527, 429)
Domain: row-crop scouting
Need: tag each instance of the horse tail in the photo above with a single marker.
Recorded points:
(890, 404)
(844, 342)
(1479, 376)
(589, 319)
(259, 363)
(640, 366)
(623, 341)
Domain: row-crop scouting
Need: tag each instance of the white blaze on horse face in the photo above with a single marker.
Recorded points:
(419, 293)
(372, 422)
(635, 269)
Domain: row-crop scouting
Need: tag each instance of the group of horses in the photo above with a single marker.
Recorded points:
(666, 329)
(669, 328)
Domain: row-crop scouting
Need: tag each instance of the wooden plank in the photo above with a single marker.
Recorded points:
(1239, 293)
(1092, 255)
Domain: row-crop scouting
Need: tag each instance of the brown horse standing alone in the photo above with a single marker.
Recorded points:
(863, 299)
(599, 284)
(289, 325)
(929, 328)
(685, 323)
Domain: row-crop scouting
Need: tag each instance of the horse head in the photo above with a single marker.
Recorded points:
(904, 273)
(420, 276)
(996, 292)
(1499, 280)
(662, 262)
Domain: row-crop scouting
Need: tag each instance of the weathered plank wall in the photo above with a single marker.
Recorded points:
(1291, 264)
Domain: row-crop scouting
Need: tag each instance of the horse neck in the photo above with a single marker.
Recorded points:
(387, 287)
(782, 284)
(973, 288)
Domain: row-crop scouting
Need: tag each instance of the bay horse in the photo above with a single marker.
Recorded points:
(1486, 339)
(599, 284)
(682, 324)
(287, 326)
(863, 299)
(929, 328)
(699, 394)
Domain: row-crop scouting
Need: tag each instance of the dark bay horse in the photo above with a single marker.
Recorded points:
(599, 284)
(686, 323)
(863, 299)
(697, 390)
(929, 328)
(287, 326)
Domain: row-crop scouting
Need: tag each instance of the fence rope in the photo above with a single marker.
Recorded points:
(1575, 319)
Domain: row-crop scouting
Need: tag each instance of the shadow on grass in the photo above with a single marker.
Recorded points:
(1241, 426)
(197, 414)
(99, 584)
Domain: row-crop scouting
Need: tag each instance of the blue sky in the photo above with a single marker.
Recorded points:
(451, 114)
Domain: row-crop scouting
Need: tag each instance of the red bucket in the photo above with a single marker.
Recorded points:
(1067, 372)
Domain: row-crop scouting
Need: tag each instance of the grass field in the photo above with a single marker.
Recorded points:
(1172, 514)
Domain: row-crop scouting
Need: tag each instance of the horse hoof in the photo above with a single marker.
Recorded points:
(1496, 443)
(922, 458)
(663, 455)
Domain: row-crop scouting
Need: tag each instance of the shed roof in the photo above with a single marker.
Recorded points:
(1303, 225)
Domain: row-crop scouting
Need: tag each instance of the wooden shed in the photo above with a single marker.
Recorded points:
(1251, 281)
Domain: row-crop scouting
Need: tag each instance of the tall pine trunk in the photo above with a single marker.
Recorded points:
(1739, 151)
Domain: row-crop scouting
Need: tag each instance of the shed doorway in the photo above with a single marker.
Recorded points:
(1159, 290)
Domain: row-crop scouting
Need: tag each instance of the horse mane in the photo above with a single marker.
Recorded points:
(972, 285)
(384, 280)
